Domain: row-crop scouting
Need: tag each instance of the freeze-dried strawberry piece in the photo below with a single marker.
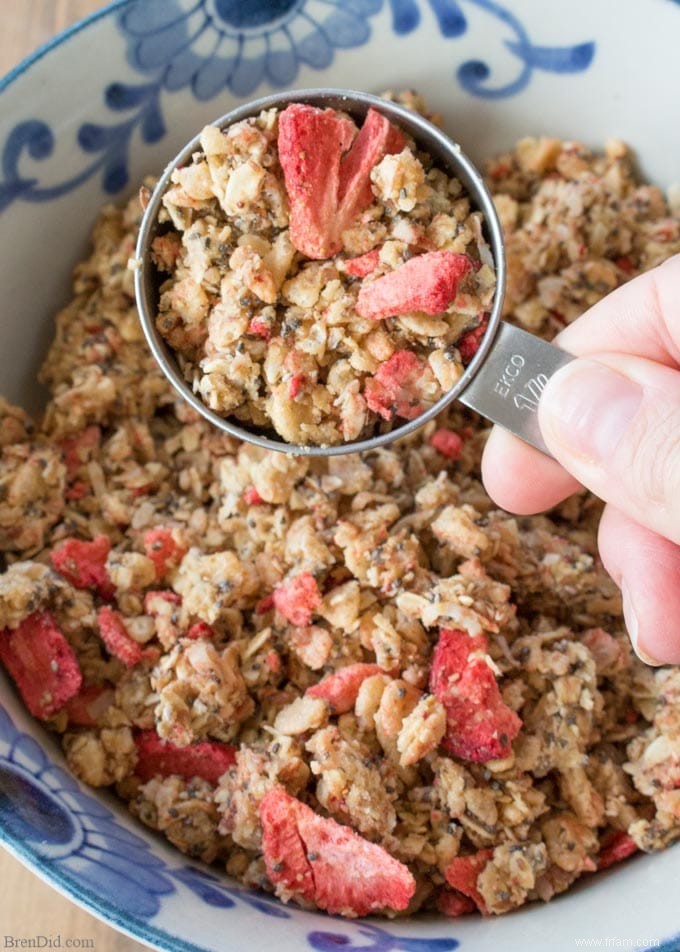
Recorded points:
(76, 491)
(115, 636)
(89, 704)
(363, 265)
(285, 854)
(376, 139)
(154, 602)
(625, 263)
(259, 329)
(340, 689)
(200, 630)
(296, 599)
(208, 760)
(479, 724)
(83, 564)
(163, 549)
(393, 390)
(447, 442)
(311, 144)
(318, 860)
(76, 449)
(462, 873)
(427, 283)
(453, 904)
(295, 385)
(615, 849)
(264, 605)
(42, 664)
(468, 344)
(326, 169)
(251, 497)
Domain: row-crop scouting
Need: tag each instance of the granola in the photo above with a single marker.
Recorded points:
(317, 279)
(264, 655)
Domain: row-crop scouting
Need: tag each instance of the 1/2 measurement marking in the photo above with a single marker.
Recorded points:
(529, 395)
(528, 399)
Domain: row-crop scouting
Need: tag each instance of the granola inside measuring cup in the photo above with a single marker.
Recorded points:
(321, 280)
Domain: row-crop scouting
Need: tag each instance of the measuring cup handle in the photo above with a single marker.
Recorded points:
(507, 386)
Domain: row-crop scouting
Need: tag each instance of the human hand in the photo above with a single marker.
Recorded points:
(612, 421)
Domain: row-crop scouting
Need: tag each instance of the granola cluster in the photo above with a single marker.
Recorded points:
(319, 280)
(353, 682)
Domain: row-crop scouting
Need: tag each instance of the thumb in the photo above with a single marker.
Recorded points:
(614, 423)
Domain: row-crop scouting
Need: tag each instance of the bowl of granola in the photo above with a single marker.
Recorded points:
(257, 700)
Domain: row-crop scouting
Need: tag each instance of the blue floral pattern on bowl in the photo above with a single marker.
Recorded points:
(70, 834)
(42, 806)
(208, 46)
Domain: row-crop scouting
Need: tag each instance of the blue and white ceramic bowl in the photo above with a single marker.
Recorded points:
(114, 98)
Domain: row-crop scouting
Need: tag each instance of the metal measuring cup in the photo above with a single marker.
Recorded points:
(505, 378)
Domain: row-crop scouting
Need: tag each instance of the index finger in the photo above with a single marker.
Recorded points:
(641, 317)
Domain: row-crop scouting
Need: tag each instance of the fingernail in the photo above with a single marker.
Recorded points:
(588, 408)
(631, 620)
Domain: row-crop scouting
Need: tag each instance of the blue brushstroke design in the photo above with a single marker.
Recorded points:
(208, 46)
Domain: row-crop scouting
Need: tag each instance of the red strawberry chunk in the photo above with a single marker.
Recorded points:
(393, 390)
(251, 497)
(377, 137)
(42, 664)
(155, 602)
(341, 688)
(77, 449)
(453, 904)
(163, 549)
(76, 491)
(206, 760)
(447, 442)
(479, 724)
(295, 385)
(462, 873)
(427, 283)
(285, 854)
(625, 263)
(89, 704)
(468, 344)
(259, 329)
(326, 169)
(296, 599)
(318, 860)
(201, 630)
(615, 849)
(311, 144)
(264, 605)
(83, 564)
(115, 636)
(363, 265)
